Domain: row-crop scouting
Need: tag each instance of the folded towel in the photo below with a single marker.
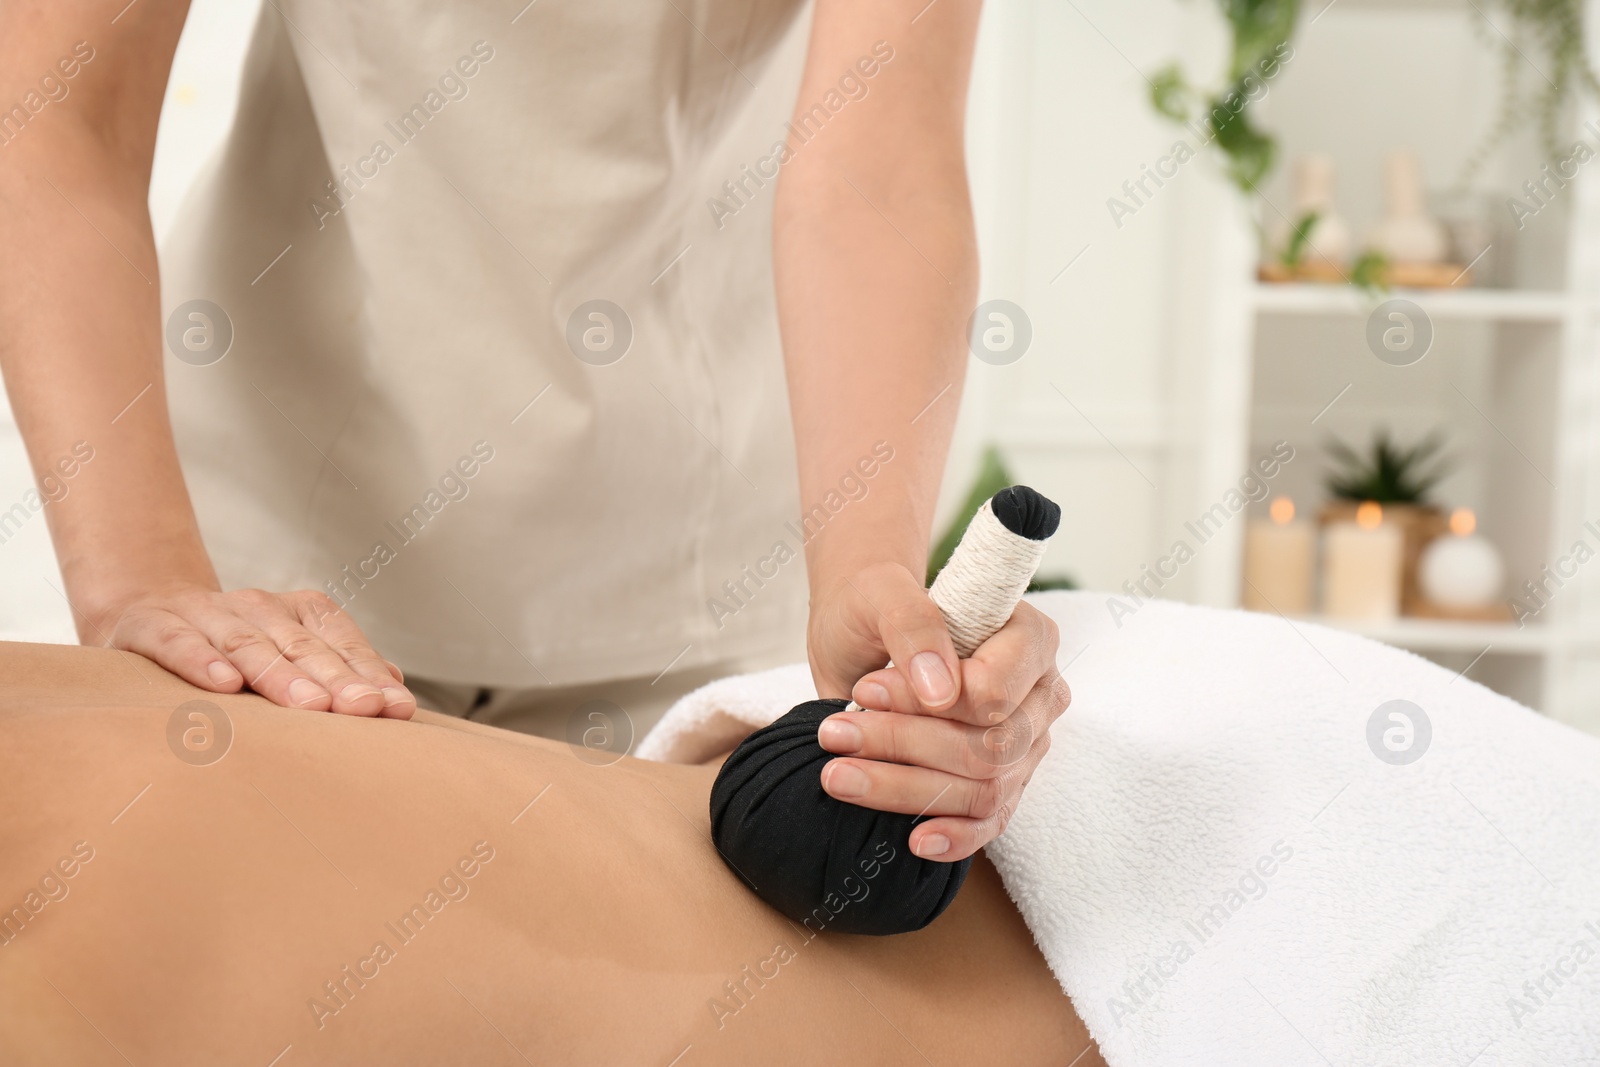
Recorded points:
(1241, 850)
(711, 720)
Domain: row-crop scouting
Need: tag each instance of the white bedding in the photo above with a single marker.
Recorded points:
(1221, 870)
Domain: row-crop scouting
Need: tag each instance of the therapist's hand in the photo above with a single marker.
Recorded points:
(88, 390)
(296, 649)
(954, 739)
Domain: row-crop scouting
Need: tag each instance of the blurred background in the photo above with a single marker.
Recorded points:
(1343, 263)
(1292, 307)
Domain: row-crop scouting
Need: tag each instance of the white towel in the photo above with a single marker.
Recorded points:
(1220, 870)
(713, 719)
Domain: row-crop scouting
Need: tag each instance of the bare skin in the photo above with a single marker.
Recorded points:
(876, 271)
(220, 898)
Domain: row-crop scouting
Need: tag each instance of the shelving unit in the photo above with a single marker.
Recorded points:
(1517, 361)
(1511, 378)
(1486, 305)
(1436, 635)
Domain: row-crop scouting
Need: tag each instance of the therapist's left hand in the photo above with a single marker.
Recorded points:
(957, 740)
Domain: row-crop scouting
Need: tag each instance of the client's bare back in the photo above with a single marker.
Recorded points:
(338, 890)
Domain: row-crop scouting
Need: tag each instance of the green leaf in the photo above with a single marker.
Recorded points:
(1368, 272)
(1388, 473)
(1547, 37)
(1250, 152)
(1299, 238)
(1259, 26)
(1169, 93)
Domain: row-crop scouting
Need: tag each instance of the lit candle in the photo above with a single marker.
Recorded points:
(1279, 554)
(1362, 566)
(1461, 569)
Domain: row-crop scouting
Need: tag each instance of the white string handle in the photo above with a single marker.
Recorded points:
(987, 574)
(991, 567)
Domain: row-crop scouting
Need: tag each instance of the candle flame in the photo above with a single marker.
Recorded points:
(1369, 516)
(1463, 522)
(1282, 510)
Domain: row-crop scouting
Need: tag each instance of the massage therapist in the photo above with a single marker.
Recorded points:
(530, 351)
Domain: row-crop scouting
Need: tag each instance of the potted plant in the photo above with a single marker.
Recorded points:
(1399, 479)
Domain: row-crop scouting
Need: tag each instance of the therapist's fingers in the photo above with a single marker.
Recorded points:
(965, 813)
(322, 615)
(912, 631)
(968, 778)
(994, 681)
(1006, 671)
(333, 625)
(350, 693)
(265, 667)
(179, 647)
(951, 838)
(939, 744)
(224, 642)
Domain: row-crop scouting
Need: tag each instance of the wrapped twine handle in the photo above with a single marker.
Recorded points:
(992, 566)
(990, 569)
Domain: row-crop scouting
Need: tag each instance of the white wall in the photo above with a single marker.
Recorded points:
(1111, 412)
(201, 96)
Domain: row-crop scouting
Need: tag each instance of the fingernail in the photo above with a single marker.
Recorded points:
(395, 698)
(221, 674)
(357, 691)
(933, 845)
(303, 691)
(930, 677)
(845, 780)
(839, 735)
(872, 695)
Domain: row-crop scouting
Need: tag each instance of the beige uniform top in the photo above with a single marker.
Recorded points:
(420, 409)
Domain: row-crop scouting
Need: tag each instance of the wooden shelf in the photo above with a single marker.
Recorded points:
(1319, 6)
(1494, 305)
(1438, 635)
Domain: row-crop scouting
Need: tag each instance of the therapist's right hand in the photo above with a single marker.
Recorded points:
(297, 649)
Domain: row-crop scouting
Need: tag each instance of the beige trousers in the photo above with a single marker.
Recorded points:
(606, 720)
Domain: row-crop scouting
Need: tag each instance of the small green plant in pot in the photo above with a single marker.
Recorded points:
(1388, 473)
(1401, 479)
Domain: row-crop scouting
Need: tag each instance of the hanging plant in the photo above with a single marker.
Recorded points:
(1261, 31)
(1546, 36)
